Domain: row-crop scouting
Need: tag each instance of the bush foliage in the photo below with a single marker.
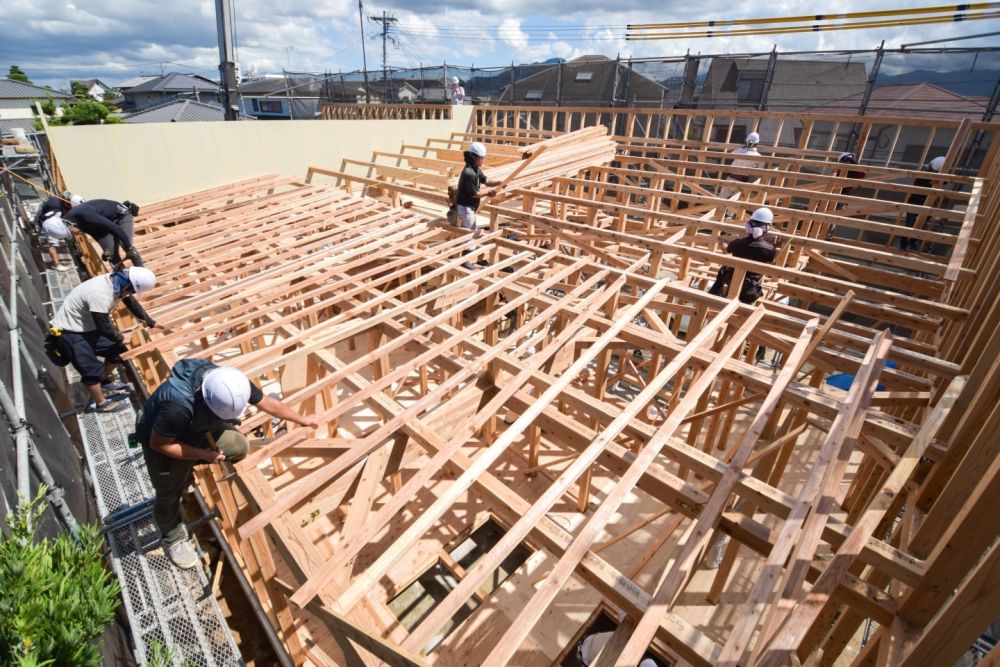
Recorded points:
(56, 595)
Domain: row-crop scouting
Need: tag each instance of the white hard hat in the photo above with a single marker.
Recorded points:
(142, 279)
(477, 148)
(646, 662)
(937, 163)
(454, 79)
(76, 200)
(226, 391)
(55, 227)
(847, 157)
(763, 215)
(753, 138)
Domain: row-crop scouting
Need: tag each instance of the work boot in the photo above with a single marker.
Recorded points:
(182, 554)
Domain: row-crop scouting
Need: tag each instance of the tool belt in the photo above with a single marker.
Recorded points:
(54, 348)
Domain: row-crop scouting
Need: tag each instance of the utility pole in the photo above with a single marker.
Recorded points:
(364, 58)
(227, 66)
(387, 22)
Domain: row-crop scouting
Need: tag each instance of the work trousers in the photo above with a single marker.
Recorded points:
(467, 219)
(170, 477)
(110, 245)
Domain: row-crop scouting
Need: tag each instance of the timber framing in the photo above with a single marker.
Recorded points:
(584, 389)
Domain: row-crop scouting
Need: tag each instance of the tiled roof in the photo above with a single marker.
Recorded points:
(794, 83)
(910, 100)
(265, 87)
(6, 125)
(174, 82)
(585, 80)
(177, 111)
(16, 90)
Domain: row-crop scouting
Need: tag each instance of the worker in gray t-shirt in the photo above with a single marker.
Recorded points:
(81, 333)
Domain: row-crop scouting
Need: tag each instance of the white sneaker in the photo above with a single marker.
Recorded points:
(63, 267)
(182, 554)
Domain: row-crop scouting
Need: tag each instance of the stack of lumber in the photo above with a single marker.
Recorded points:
(560, 156)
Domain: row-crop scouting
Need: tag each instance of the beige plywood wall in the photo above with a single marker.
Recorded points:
(152, 161)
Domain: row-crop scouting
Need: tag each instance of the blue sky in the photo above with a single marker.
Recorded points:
(115, 40)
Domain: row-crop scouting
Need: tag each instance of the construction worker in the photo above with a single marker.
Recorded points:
(111, 224)
(82, 331)
(755, 246)
(846, 158)
(749, 148)
(456, 94)
(934, 166)
(189, 420)
(468, 195)
(52, 210)
(591, 646)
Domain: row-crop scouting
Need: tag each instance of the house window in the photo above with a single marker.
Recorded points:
(418, 599)
(270, 106)
(750, 86)
(253, 105)
(533, 95)
(584, 76)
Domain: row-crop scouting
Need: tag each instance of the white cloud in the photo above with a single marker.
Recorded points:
(54, 40)
(511, 34)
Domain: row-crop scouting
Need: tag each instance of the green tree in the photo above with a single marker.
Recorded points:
(56, 595)
(85, 112)
(79, 90)
(17, 74)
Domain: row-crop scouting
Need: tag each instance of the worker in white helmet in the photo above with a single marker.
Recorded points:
(111, 224)
(749, 149)
(82, 333)
(591, 645)
(934, 166)
(844, 162)
(456, 93)
(756, 246)
(468, 194)
(52, 209)
(190, 419)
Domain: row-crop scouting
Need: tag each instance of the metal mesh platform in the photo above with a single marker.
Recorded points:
(163, 603)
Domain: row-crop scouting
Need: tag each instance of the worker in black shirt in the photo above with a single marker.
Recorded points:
(754, 246)
(468, 196)
(51, 212)
(110, 223)
(190, 419)
(934, 166)
(846, 158)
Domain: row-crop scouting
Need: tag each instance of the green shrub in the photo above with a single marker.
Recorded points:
(56, 595)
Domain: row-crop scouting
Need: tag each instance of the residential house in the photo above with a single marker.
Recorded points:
(592, 80)
(907, 100)
(177, 111)
(266, 99)
(171, 86)
(95, 87)
(795, 84)
(17, 104)
(398, 90)
(734, 83)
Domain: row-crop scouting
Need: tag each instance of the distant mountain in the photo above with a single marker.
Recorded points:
(979, 82)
